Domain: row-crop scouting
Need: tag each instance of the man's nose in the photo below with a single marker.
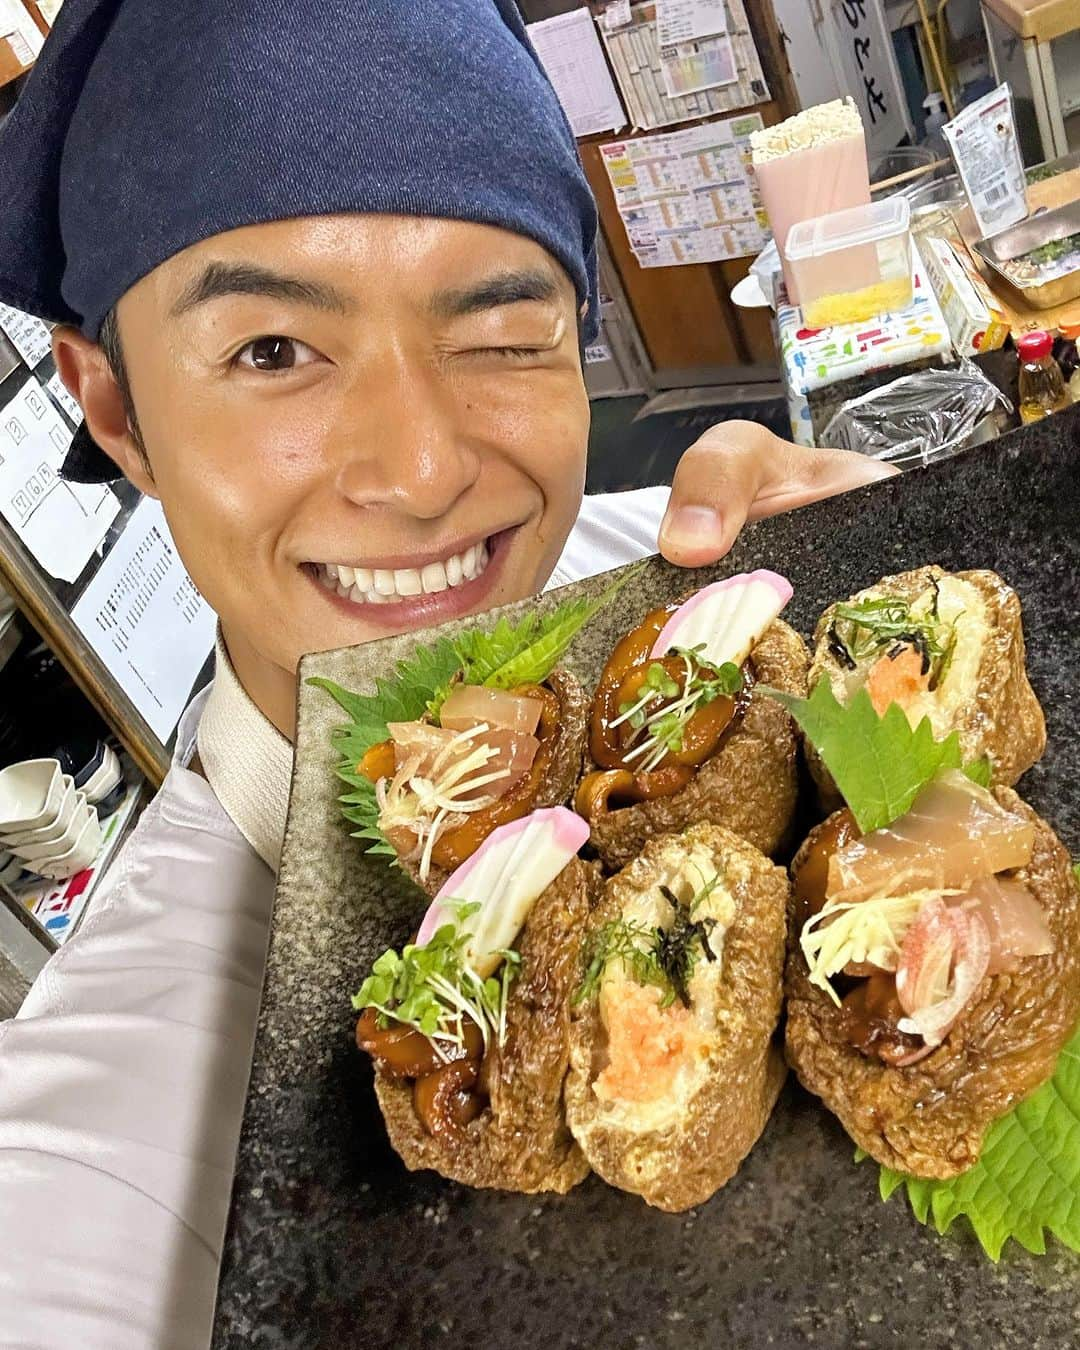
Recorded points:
(404, 443)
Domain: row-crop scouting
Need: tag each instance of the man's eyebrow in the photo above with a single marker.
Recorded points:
(219, 279)
(504, 288)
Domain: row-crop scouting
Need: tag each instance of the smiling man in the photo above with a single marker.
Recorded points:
(323, 273)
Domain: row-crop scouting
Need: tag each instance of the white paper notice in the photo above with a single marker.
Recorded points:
(29, 336)
(58, 389)
(617, 15)
(692, 67)
(14, 18)
(689, 196)
(686, 20)
(60, 523)
(570, 52)
(143, 616)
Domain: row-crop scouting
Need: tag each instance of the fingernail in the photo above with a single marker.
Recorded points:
(692, 525)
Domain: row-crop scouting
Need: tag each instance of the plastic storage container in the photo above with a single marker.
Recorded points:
(853, 264)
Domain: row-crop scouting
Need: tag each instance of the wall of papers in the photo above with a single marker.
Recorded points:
(689, 196)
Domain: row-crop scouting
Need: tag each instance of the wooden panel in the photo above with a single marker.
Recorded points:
(10, 65)
(684, 314)
(682, 319)
(31, 8)
(13, 988)
(755, 330)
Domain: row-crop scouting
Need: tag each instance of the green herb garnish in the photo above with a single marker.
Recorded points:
(663, 957)
(664, 707)
(1027, 1180)
(880, 764)
(619, 940)
(865, 629)
(526, 652)
(435, 990)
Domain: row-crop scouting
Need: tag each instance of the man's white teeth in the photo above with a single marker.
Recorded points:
(433, 578)
(381, 586)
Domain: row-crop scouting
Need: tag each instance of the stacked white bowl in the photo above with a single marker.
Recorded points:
(46, 823)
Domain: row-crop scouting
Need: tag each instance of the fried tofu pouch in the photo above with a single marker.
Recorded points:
(984, 693)
(929, 1119)
(666, 1102)
(749, 785)
(556, 771)
(520, 1140)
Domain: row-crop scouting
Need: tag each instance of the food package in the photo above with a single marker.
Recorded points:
(918, 418)
(986, 150)
(977, 322)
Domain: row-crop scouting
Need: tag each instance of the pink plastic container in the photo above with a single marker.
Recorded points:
(812, 182)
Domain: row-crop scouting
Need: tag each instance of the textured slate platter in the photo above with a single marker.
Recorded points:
(333, 1243)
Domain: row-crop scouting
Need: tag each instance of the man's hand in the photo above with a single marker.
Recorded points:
(739, 471)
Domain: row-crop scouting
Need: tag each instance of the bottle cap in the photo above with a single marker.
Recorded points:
(1070, 329)
(1035, 346)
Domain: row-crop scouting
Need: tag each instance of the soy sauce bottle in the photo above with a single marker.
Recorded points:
(1042, 386)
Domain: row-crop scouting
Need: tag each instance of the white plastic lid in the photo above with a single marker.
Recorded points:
(846, 229)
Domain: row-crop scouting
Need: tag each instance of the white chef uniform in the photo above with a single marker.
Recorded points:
(122, 1080)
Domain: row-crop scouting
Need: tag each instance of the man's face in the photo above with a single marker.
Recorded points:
(359, 425)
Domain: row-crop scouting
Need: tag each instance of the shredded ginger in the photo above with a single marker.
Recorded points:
(863, 932)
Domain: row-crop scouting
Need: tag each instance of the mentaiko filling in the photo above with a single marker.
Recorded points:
(901, 926)
(656, 971)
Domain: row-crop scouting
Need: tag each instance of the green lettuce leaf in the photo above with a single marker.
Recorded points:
(880, 764)
(1027, 1181)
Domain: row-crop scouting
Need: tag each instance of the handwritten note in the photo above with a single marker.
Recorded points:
(686, 20)
(871, 76)
(58, 389)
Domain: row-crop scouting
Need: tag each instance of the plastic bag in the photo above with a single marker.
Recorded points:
(918, 418)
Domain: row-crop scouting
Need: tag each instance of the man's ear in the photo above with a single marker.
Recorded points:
(86, 372)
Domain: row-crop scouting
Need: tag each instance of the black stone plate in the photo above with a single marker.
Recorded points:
(332, 1243)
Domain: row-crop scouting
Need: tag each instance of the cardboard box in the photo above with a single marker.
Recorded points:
(976, 320)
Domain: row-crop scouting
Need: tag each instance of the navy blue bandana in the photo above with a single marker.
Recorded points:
(148, 125)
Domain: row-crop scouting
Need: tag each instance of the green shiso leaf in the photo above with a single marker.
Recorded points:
(880, 764)
(528, 652)
(1026, 1184)
(502, 657)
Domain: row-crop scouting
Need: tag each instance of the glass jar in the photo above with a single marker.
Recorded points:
(1042, 386)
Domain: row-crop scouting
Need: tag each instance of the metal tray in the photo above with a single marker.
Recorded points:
(1032, 233)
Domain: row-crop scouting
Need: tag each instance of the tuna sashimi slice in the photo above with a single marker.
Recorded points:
(1014, 920)
(955, 833)
(492, 759)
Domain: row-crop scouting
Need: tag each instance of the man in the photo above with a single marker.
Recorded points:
(324, 273)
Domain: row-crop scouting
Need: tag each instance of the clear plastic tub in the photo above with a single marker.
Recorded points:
(854, 264)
